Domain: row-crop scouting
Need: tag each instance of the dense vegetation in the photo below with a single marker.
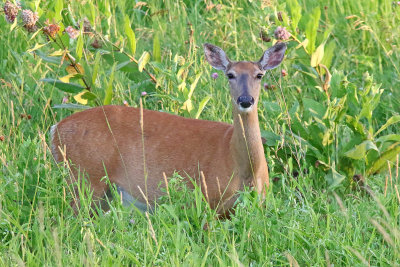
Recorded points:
(329, 116)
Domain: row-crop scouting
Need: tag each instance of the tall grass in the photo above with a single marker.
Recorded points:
(301, 220)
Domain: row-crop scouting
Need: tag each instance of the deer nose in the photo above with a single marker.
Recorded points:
(245, 101)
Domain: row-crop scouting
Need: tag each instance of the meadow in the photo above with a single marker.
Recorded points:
(329, 115)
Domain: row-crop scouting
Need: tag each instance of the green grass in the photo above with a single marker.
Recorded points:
(302, 219)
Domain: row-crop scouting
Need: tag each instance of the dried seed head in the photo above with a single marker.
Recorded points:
(264, 36)
(51, 30)
(11, 11)
(269, 86)
(87, 27)
(280, 16)
(72, 32)
(29, 20)
(281, 33)
(96, 44)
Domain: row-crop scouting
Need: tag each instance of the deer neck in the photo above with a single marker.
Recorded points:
(246, 145)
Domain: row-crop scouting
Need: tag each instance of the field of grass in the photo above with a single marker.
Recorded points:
(331, 126)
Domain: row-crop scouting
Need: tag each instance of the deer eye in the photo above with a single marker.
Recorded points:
(230, 76)
(259, 76)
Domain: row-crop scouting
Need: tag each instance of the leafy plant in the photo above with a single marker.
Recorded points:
(78, 49)
(337, 132)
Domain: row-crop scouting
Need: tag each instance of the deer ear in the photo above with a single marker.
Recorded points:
(273, 56)
(216, 57)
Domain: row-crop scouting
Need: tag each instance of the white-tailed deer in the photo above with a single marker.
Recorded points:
(135, 147)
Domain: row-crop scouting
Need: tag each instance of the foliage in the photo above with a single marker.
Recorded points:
(333, 112)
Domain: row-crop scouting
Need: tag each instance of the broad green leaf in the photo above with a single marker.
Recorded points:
(202, 105)
(123, 65)
(389, 137)
(79, 46)
(58, 6)
(355, 125)
(53, 60)
(295, 14)
(392, 120)
(89, 95)
(66, 87)
(298, 127)
(305, 144)
(272, 138)
(109, 89)
(334, 178)
(336, 87)
(317, 56)
(68, 19)
(143, 60)
(64, 38)
(156, 48)
(360, 151)
(328, 53)
(130, 35)
(36, 47)
(314, 107)
(381, 163)
(312, 28)
(92, 16)
(96, 67)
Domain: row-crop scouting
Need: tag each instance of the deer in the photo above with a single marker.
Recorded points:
(137, 148)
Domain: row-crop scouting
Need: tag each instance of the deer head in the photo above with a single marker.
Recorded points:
(244, 76)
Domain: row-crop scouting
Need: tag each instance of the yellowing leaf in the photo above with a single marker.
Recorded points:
(79, 46)
(317, 56)
(303, 44)
(202, 104)
(130, 34)
(180, 73)
(71, 69)
(187, 105)
(57, 53)
(182, 86)
(66, 78)
(78, 98)
(143, 60)
(193, 85)
(36, 47)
